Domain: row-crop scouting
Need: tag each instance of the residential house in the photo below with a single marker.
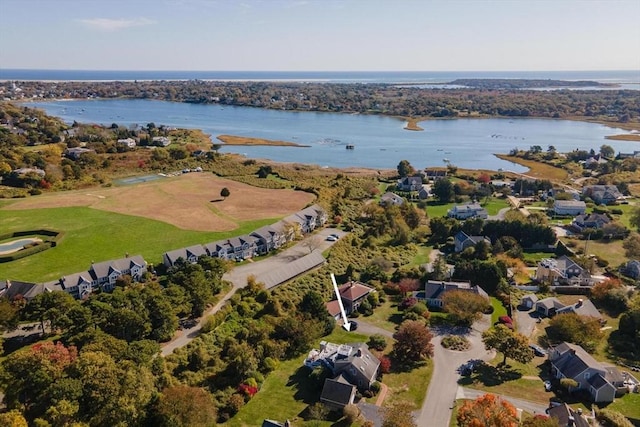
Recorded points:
(584, 307)
(333, 307)
(15, 290)
(529, 301)
(219, 249)
(567, 417)
(351, 364)
(569, 207)
(435, 174)
(27, 171)
(423, 192)
(79, 285)
(602, 194)
(469, 210)
(190, 254)
(353, 293)
(434, 291)
(572, 361)
(161, 141)
(338, 393)
(463, 241)
(314, 216)
(563, 271)
(592, 220)
(106, 273)
(242, 247)
(391, 199)
(75, 152)
(410, 183)
(548, 306)
(127, 142)
(594, 161)
(634, 155)
(632, 269)
(269, 237)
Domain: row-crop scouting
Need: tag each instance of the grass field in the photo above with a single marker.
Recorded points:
(498, 309)
(190, 201)
(95, 235)
(147, 219)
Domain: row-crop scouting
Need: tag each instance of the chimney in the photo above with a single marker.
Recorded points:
(579, 411)
(359, 353)
(579, 303)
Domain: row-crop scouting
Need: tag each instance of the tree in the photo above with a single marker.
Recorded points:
(607, 151)
(582, 330)
(350, 413)
(13, 418)
(443, 190)
(8, 315)
(405, 168)
(184, 406)
(312, 243)
(413, 342)
(224, 193)
(398, 415)
(511, 344)
(568, 383)
(465, 307)
(377, 342)
(50, 307)
(487, 410)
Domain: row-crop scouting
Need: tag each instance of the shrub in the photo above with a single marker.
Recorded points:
(377, 342)
(375, 387)
(612, 418)
(385, 364)
(350, 414)
(407, 303)
(455, 342)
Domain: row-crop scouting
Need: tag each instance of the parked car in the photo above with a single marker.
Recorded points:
(354, 325)
(547, 385)
(334, 235)
(537, 350)
(331, 239)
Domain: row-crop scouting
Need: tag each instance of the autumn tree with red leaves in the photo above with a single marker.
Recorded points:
(487, 410)
(413, 342)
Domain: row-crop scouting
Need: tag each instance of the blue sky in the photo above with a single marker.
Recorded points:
(322, 35)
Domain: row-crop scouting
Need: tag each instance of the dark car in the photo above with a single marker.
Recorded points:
(354, 325)
(537, 350)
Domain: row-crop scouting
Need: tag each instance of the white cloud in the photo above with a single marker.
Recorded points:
(107, 24)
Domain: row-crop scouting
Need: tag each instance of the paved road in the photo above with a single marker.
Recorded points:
(525, 322)
(436, 409)
(525, 405)
(238, 277)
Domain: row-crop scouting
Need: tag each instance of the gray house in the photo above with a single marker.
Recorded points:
(434, 290)
(469, 210)
(190, 254)
(410, 183)
(602, 194)
(632, 269)
(549, 306)
(351, 365)
(562, 271)
(529, 300)
(572, 361)
(463, 241)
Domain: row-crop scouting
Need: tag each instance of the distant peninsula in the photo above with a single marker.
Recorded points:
(245, 140)
(526, 83)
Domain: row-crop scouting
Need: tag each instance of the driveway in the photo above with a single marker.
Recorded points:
(238, 277)
(436, 409)
(525, 321)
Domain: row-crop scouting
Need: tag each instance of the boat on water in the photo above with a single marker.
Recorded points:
(445, 160)
(350, 146)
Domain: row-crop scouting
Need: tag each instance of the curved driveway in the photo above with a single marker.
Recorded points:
(441, 394)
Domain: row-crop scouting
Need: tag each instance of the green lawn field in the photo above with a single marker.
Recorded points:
(96, 235)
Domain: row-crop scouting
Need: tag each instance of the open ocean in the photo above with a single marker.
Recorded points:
(404, 77)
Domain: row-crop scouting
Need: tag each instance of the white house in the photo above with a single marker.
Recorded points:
(470, 210)
(569, 207)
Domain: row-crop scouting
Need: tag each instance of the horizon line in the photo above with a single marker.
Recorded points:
(311, 71)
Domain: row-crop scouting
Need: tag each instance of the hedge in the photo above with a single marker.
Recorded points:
(31, 250)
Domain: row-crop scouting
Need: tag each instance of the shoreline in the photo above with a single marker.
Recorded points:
(412, 123)
(247, 140)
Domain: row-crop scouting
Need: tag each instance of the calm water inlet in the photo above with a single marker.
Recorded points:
(379, 142)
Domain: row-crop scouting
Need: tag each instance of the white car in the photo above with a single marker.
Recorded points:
(331, 239)
(547, 385)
